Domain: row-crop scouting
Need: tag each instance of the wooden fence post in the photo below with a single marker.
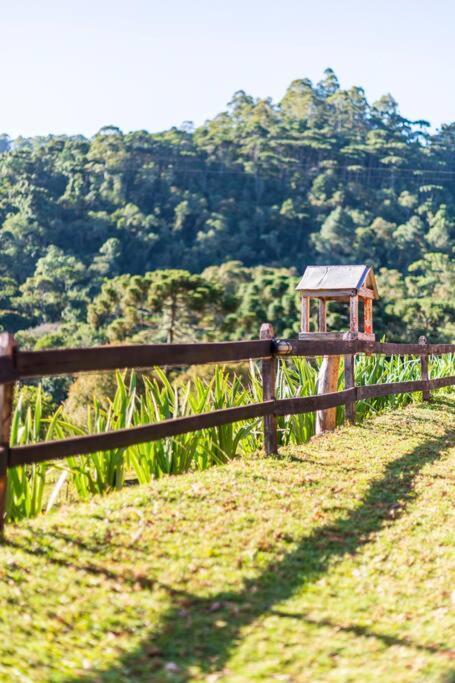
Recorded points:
(6, 405)
(268, 390)
(423, 341)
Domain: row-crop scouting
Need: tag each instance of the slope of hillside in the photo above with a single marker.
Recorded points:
(330, 563)
(322, 176)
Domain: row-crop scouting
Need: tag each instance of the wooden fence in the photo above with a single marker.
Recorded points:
(16, 365)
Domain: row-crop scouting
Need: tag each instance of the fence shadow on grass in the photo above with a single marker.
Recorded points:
(204, 632)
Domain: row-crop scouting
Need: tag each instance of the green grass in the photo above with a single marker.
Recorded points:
(331, 563)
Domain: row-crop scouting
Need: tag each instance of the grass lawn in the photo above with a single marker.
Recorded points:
(334, 562)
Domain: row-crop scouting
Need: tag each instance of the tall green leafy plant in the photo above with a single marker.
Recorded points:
(34, 488)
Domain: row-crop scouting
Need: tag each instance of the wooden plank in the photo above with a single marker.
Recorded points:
(321, 336)
(423, 341)
(354, 314)
(268, 394)
(362, 336)
(305, 314)
(67, 361)
(6, 406)
(368, 316)
(391, 348)
(440, 382)
(317, 344)
(349, 383)
(122, 438)
(327, 346)
(327, 384)
(376, 390)
(322, 315)
(366, 293)
(395, 348)
(328, 293)
(308, 404)
(440, 349)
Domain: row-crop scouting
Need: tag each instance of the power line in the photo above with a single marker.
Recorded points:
(364, 171)
(179, 165)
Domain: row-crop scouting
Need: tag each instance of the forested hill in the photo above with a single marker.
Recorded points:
(321, 176)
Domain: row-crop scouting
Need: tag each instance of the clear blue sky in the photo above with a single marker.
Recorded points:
(72, 66)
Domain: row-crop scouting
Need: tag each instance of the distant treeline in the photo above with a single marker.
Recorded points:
(323, 176)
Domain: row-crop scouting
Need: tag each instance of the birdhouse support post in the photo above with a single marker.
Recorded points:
(6, 406)
(305, 314)
(423, 341)
(326, 420)
(349, 382)
(268, 393)
(322, 320)
(368, 316)
(354, 314)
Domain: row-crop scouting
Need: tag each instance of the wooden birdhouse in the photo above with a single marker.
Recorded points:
(349, 284)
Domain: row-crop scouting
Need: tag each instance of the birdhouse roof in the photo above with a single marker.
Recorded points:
(337, 281)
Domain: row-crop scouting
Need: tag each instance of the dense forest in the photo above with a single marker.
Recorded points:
(199, 233)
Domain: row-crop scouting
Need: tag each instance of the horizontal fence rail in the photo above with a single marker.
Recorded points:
(122, 438)
(16, 364)
(341, 347)
(68, 361)
(377, 390)
(28, 364)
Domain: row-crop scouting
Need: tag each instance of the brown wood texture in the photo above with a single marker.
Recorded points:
(321, 336)
(327, 384)
(329, 293)
(6, 407)
(268, 390)
(323, 347)
(354, 314)
(121, 438)
(67, 361)
(349, 383)
(368, 316)
(392, 348)
(322, 316)
(305, 314)
(440, 382)
(376, 390)
(8, 371)
(308, 404)
(366, 293)
(314, 346)
(424, 370)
